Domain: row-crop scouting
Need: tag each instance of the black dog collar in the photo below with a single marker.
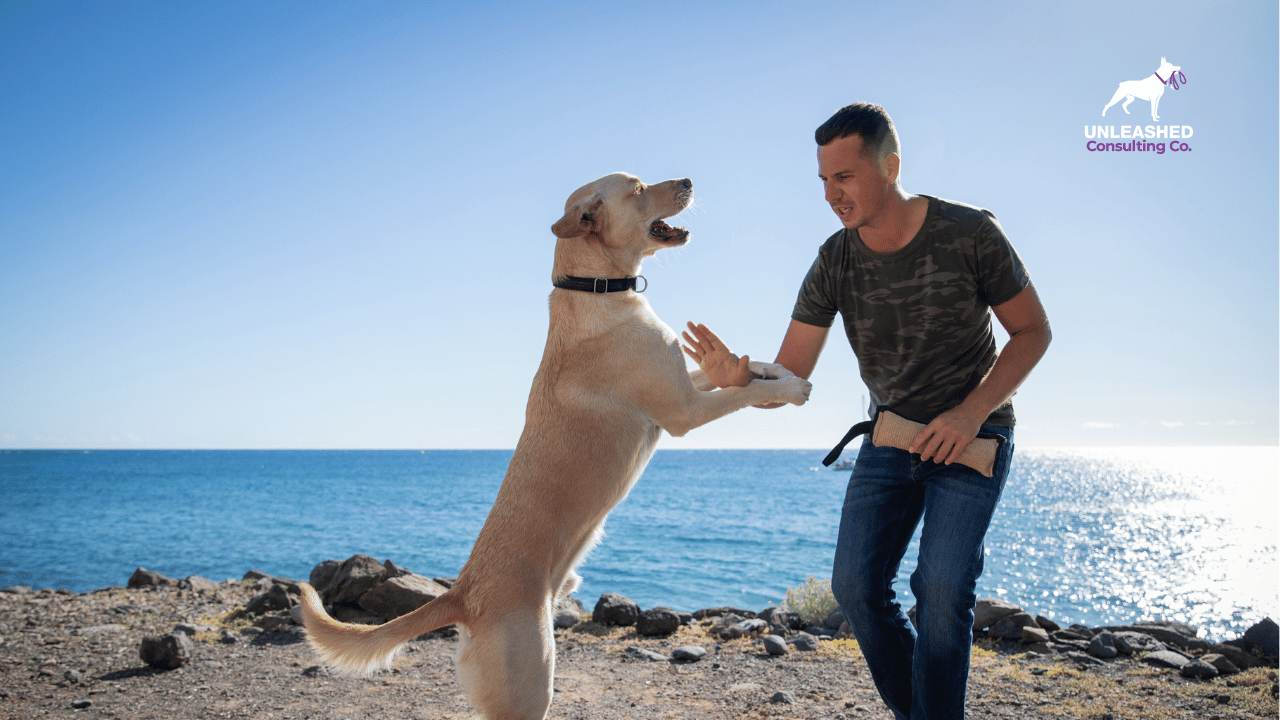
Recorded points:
(601, 285)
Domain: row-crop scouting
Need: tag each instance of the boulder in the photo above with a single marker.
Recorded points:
(1032, 635)
(1010, 626)
(1264, 635)
(1238, 657)
(728, 630)
(658, 621)
(198, 584)
(1166, 658)
(1198, 670)
(1103, 646)
(143, 578)
(322, 574)
(167, 652)
(1221, 663)
(356, 576)
(991, 610)
(834, 620)
(566, 618)
(1129, 642)
(276, 598)
(1047, 624)
(705, 613)
(783, 618)
(400, 595)
(615, 609)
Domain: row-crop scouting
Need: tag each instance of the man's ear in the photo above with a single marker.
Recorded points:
(580, 219)
(892, 164)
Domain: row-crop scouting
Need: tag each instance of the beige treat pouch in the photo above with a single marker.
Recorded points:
(892, 430)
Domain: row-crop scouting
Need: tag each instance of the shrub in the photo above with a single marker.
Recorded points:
(812, 600)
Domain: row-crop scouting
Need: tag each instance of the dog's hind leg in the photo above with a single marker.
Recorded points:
(1114, 99)
(507, 663)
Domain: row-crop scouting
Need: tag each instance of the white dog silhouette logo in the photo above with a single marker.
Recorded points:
(1149, 88)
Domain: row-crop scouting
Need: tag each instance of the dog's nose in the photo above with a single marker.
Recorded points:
(686, 183)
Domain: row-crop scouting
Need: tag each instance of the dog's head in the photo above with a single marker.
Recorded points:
(1166, 67)
(625, 217)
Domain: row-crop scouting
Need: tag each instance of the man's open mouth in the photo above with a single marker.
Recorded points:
(664, 232)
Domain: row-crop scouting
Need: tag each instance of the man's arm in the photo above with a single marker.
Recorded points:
(1024, 317)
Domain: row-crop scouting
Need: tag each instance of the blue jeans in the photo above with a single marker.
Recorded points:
(921, 672)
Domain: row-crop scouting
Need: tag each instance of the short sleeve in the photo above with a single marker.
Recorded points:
(816, 301)
(1001, 274)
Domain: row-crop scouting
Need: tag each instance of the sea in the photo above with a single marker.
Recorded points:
(1093, 536)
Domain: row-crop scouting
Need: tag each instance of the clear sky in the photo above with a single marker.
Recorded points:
(326, 224)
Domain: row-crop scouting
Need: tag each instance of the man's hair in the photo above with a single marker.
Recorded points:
(866, 120)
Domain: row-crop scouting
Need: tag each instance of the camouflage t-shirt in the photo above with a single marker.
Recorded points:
(918, 318)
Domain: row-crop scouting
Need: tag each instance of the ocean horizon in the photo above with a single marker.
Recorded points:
(1091, 535)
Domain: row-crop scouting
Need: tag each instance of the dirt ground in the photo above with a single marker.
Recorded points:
(64, 655)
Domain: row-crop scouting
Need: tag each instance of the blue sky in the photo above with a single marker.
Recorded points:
(326, 225)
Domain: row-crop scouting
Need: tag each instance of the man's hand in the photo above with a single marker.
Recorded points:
(944, 439)
(722, 367)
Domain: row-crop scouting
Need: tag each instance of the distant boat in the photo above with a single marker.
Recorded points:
(843, 465)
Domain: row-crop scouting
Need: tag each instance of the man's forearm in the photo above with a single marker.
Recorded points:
(1012, 367)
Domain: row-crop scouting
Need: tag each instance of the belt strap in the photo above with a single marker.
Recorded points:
(889, 429)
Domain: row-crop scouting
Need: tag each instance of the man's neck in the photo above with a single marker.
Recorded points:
(897, 225)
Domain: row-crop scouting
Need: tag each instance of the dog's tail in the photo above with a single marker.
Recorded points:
(361, 649)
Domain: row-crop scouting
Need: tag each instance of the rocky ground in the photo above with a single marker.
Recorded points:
(67, 655)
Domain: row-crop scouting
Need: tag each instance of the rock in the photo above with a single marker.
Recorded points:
(1266, 636)
(639, 653)
(1221, 663)
(774, 645)
(167, 652)
(688, 653)
(1047, 624)
(705, 613)
(393, 571)
(82, 704)
(1166, 658)
(1032, 635)
(783, 618)
(1238, 657)
(1010, 626)
(316, 671)
(804, 642)
(1084, 659)
(275, 623)
(17, 590)
(783, 698)
(446, 581)
(73, 676)
(1198, 670)
(198, 584)
(192, 629)
(834, 620)
(1103, 646)
(745, 687)
(1166, 631)
(1129, 642)
(658, 621)
(356, 576)
(143, 578)
(400, 595)
(731, 631)
(991, 610)
(275, 598)
(94, 631)
(566, 618)
(322, 574)
(615, 609)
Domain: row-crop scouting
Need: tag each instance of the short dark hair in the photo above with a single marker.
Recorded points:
(866, 120)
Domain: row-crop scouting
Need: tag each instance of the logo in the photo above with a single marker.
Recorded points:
(1151, 89)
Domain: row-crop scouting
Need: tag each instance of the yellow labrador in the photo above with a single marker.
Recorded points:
(612, 379)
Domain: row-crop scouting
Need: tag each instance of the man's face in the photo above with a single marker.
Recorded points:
(856, 186)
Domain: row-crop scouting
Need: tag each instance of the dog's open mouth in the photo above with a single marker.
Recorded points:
(664, 232)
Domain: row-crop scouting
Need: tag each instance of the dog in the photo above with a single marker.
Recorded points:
(1149, 88)
(612, 379)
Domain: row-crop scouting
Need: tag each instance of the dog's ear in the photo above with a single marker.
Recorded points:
(581, 218)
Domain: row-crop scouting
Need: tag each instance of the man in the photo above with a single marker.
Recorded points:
(912, 277)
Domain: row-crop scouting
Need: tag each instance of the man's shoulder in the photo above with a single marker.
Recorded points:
(953, 212)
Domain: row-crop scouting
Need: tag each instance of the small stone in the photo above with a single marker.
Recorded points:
(774, 645)
(640, 653)
(689, 653)
(82, 704)
(615, 609)
(658, 621)
(73, 676)
(566, 618)
(316, 671)
(783, 698)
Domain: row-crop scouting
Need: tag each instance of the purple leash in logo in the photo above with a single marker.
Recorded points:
(1174, 78)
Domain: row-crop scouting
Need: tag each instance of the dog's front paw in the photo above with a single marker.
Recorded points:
(797, 390)
(769, 371)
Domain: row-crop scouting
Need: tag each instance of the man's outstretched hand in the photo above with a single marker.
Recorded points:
(718, 363)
